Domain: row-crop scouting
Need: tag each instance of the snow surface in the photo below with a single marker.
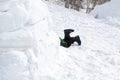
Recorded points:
(29, 49)
(109, 9)
(96, 59)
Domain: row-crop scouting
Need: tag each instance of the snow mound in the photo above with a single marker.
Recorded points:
(23, 24)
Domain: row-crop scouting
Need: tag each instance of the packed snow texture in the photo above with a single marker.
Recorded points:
(23, 23)
(30, 50)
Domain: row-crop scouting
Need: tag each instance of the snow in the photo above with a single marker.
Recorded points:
(20, 38)
(4, 5)
(13, 18)
(109, 9)
(13, 63)
(5, 20)
(35, 11)
(30, 49)
(20, 32)
(96, 59)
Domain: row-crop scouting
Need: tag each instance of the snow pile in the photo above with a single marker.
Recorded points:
(23, 24)
(109, 9)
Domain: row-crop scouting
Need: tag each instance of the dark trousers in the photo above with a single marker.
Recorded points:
(71, 40)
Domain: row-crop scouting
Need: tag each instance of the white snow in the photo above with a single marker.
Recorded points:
(96, 59)
(20, 38)
(22, 27)
(4, 5)
(30, 49)
(13, 18)
(13, 65)
(109, 9)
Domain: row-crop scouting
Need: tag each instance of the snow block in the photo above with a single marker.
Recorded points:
(6, 22)
(19, 14)
(14, 66)
(4, 5)
(17, 39)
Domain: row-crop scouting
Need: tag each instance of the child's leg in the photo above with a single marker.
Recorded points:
(77, 39)
(67, 34)
(68, 31)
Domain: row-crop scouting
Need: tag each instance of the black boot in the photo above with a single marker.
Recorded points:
(67, 37)
(77, 39)
(68, 31)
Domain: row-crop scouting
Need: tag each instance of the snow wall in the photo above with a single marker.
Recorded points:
(23, 37)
